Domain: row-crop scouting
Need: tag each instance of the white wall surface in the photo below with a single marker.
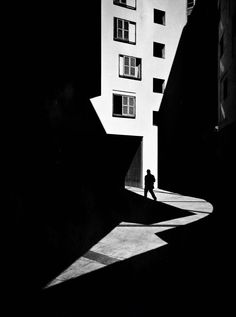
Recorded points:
(152, 67)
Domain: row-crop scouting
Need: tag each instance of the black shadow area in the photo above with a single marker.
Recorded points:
(146, 211)
(172, 279)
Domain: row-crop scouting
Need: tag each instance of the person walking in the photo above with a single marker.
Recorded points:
(149, 181)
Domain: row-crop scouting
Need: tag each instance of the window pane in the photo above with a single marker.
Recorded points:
(131, 3)
(127, 60)
(131, 101)
(158, 85)
(125, 110)
(120, 23)
(132, 71)
(131, 110)
(119, 34)
(125, 100)
(126, 25)
(158, 50)
(159, 16)
(117, 104)
(126, 35)
(132, 27)
(133, 61)
(126, 70)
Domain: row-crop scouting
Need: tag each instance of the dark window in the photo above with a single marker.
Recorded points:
(159, 17)
(155, 118)
(117, 105)
(130, 67)
(124, 31)
(124, 106)
(159, 50)
(158, 85)
(130, 4)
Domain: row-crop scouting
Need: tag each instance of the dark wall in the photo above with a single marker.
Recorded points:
(64, 174)
(134, 176)
(188, 113)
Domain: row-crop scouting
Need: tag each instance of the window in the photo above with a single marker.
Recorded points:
(158, 85)
(159, 17)
(124, 106)
(158, 50)
(130, 67)
(130, 4)
(155, 118)
(124, 31)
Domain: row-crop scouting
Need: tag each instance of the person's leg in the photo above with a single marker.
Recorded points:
(152, 193)
(145, 192)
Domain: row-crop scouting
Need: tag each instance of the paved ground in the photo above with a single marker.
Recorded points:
(130, 239)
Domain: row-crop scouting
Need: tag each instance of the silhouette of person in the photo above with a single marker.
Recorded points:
(149, 181)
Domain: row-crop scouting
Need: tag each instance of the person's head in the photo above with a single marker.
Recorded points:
(148, 172)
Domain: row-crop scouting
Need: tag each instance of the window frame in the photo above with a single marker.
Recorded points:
(123, 113)
(123, 30)
(163, 85)
(163, 50)
(125, 5)
(131, 67)
(163, 17)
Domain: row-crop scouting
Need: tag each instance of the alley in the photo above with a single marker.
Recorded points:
(130, 239)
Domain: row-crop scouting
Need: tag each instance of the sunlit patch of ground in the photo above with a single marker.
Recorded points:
(130, 239)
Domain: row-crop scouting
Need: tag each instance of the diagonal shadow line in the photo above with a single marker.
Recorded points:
(99, 272)
(146, 211)
(140, 225)
(183, 201)
(100, 257)
(145, 215)
(200, 212)
(157, 191)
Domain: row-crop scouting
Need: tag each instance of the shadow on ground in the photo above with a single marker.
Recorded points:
(174, 278)
(147, 211)
(65, 180)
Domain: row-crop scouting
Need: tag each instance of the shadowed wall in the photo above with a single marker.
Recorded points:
(65, 174)
(188, 113)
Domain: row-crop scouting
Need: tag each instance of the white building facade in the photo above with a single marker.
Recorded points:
(139, 40)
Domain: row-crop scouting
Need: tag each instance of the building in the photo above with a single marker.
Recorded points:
(188, 112)
(226, 64)
(226, 125)
(138, 42)
(197, 114)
